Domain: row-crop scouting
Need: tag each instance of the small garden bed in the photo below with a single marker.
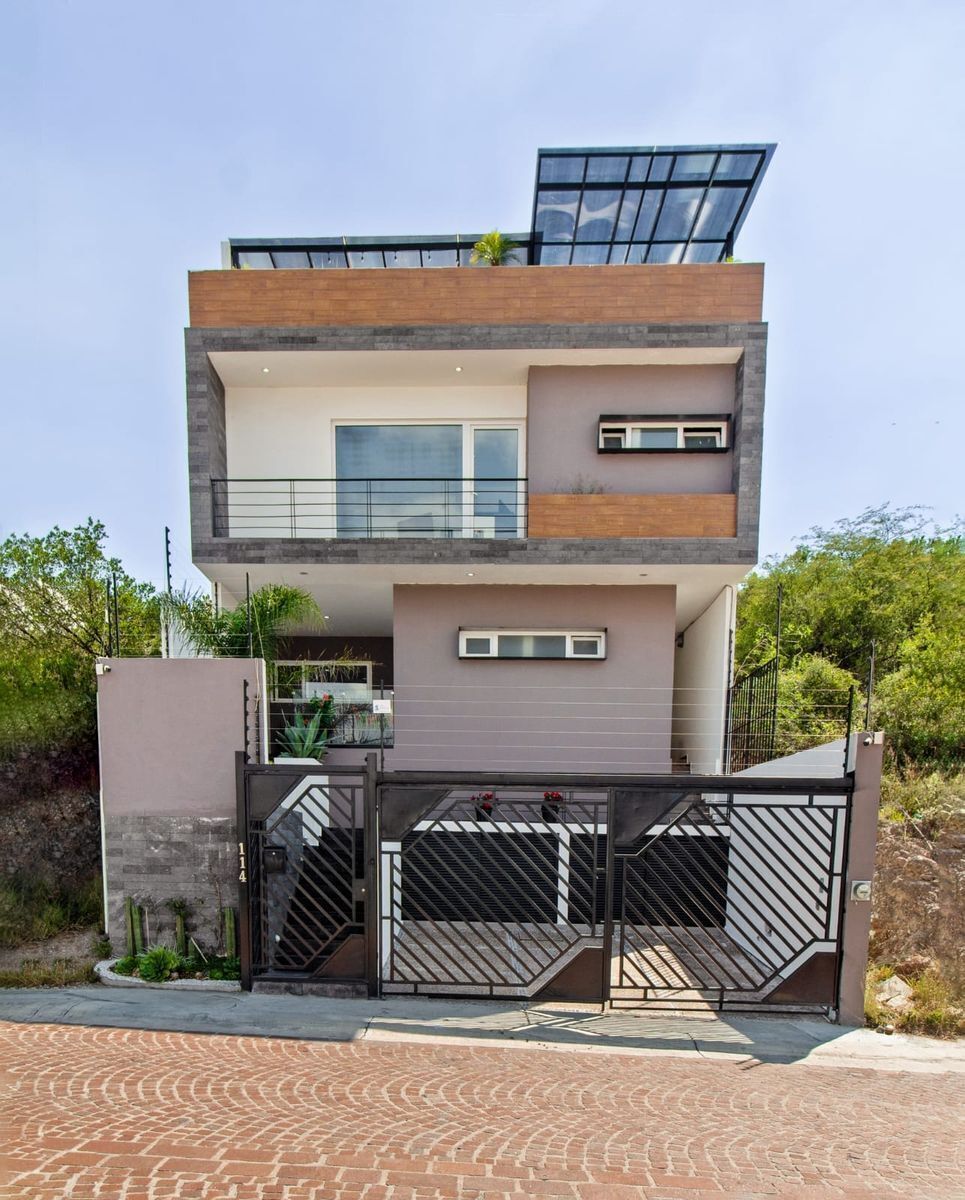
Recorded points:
(161, 967)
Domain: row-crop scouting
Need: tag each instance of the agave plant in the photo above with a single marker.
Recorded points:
(306, 737)
(495, 250)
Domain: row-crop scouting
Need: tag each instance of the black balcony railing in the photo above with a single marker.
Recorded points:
(483, 507)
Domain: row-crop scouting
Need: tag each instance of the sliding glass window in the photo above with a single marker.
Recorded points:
(422, 480)
(399, 480)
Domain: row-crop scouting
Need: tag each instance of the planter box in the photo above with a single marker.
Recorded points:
(108, 977)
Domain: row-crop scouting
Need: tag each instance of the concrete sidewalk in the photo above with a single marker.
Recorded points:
(553, 1026)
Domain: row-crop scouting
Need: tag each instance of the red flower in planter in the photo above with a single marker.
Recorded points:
(552, 797)
(484, 801)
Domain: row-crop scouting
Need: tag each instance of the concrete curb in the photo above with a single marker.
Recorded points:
(110, 979)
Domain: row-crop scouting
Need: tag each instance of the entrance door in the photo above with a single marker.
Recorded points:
(306, 894)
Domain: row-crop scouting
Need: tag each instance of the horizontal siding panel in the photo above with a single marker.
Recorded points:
(606, 515)
(692, 293)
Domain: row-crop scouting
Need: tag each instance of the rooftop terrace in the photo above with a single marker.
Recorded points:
(617, 205)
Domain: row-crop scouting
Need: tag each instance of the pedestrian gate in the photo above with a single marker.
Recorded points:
(722, 892)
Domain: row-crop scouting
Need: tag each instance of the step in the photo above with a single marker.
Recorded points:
(332, 989)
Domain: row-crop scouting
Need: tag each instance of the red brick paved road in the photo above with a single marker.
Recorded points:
(129, 1115)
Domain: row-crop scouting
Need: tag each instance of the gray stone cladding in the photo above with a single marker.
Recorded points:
(207, 452)
(159, 858)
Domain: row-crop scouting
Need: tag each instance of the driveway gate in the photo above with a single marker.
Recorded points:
(722, 892)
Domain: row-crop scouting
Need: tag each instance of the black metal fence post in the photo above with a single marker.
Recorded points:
(243, 847)
(373, 900)
(850, 724)
(245, 742)
(609, 869)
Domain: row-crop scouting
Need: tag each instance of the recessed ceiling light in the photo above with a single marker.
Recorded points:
(470, 574)
(643, 574)
(265, 370)
(458, 370)
(302, 572)
(327, 616)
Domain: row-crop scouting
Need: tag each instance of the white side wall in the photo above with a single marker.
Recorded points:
(701, 679)
(289, 433)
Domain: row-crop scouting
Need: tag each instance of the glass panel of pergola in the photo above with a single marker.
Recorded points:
(370, 255)
(661, 206)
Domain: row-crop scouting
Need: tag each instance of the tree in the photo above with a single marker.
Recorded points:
(275, 610)
(885, 577)
(922, 703)
(495, 250)
(54, 622)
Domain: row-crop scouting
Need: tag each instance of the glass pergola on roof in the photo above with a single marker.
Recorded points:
(637, 204)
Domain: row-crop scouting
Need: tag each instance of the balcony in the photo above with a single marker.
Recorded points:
(431, 507)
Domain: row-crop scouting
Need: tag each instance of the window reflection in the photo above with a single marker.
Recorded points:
(678, 212)
(565, 169)
(719, 211)
(556, 215)
(606, 168)
(597, 215)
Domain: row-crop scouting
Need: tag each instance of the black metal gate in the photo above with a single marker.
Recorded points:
(492, 896)
(712, 892)
(730, 899)
(305, 874)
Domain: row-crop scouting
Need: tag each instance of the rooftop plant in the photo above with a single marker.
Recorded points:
(494, 250)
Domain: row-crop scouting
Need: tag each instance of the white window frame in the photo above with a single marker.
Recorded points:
(469, 427)
(626, 426)
(571, 636)
(305, 663)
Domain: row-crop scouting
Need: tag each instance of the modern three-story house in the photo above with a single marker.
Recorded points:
(522, 495)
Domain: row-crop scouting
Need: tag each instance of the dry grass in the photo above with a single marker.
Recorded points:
(936, 1009)
(918, 923)
(62, 972)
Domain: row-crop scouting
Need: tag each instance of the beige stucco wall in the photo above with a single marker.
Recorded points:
(169, 729)
(533, 715)
(565, 406)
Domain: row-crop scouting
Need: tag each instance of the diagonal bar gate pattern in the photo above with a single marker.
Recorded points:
(724, 893)
(306, 896)
(496, 898)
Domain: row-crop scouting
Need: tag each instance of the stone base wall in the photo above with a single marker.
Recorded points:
(155, 859)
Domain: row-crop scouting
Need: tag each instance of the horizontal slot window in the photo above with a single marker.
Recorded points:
(663, 434)
(532, 643)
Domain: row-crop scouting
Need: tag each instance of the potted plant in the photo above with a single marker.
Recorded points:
(552, 810)
(484, 803)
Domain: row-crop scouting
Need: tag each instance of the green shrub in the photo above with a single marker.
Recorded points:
(926, 797)
(101, 947)
(224, 968)
(158, 964)
(125, 965)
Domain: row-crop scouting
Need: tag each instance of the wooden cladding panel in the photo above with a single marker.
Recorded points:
(683, 515)
(692, 293)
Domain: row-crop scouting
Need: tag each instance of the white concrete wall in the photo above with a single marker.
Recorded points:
(289, 433)
(701, 679)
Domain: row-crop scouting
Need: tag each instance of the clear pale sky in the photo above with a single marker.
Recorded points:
(136, 136)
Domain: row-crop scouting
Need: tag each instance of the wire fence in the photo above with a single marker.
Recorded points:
(634, 730)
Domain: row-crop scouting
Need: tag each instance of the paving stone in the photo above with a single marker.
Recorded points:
(119, 1113)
